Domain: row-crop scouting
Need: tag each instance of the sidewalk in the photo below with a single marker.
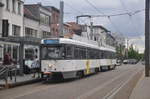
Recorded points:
(142, 89)
(20, 80)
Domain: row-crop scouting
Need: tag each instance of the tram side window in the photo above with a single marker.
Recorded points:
(114, 55)
(91, 54)
(108, 55)
(77, 53)
(69, 51)
(102, 55)
(97, 54)
(83, 53)
(111, 55)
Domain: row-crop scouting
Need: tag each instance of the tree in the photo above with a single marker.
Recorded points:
(120, 52)
(134, 54)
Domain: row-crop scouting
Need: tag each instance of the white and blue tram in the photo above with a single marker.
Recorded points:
(70, 58)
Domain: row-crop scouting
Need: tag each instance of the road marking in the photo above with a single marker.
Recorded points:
(89, 93)
(117, 89)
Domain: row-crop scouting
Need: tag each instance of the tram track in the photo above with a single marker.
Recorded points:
(89, 87)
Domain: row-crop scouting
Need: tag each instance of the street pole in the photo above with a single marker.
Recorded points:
(77, 19)
(61, 18)
(127, 47)
(147, 38)
(91, 29)
(1, 15)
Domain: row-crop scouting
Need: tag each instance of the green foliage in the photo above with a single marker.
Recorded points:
(134, 54)
(120, 51)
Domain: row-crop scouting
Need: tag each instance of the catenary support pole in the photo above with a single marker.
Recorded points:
(147, 39)
(61, 18)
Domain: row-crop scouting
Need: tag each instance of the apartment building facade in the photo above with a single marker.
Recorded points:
(54, 24)
(11, 25)
(37, 21)
(11, 18)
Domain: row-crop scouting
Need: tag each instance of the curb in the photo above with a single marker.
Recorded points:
(20, 83)
(125, 90)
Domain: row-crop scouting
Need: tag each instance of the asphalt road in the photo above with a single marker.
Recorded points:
(98, 86)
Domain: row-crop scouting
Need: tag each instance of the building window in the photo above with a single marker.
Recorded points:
(19, 8)
(7, 5)
(15, 53)
(46, 34)
(1, 52)
(15, 30)
(30, 32)
(44, 19)
(13, 6)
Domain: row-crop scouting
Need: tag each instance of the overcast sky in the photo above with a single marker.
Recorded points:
(131, 27)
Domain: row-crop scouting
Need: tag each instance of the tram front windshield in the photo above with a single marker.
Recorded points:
(52, 52)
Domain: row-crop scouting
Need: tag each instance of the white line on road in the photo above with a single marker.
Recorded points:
(117, 89)
(90, 93)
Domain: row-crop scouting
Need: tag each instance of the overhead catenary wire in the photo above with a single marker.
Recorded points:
(120, 14)
(75, 10)
(130, 16)
(102, 14)
(131, 20)
(92, 5)
(108, 17)
(114, 26)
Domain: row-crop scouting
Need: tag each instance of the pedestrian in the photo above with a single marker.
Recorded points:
(7, 59)
(36, 66)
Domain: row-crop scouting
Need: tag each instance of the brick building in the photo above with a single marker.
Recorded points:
(54, 25)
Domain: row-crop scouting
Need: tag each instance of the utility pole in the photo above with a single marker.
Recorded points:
(1, 15)
(127, 47)
(91, 30)
(91, 24)
(77, 18)
(147, 38)
(61, 25)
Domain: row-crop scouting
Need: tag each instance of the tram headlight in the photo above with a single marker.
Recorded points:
(50, 65)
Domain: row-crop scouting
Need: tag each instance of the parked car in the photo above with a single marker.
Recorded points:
(132, 61)
(119, 62)
(125, 61)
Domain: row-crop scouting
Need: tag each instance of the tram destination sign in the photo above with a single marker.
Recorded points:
(51, 41)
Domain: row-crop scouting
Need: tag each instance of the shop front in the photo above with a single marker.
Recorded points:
(21, 49)
(11, 48)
